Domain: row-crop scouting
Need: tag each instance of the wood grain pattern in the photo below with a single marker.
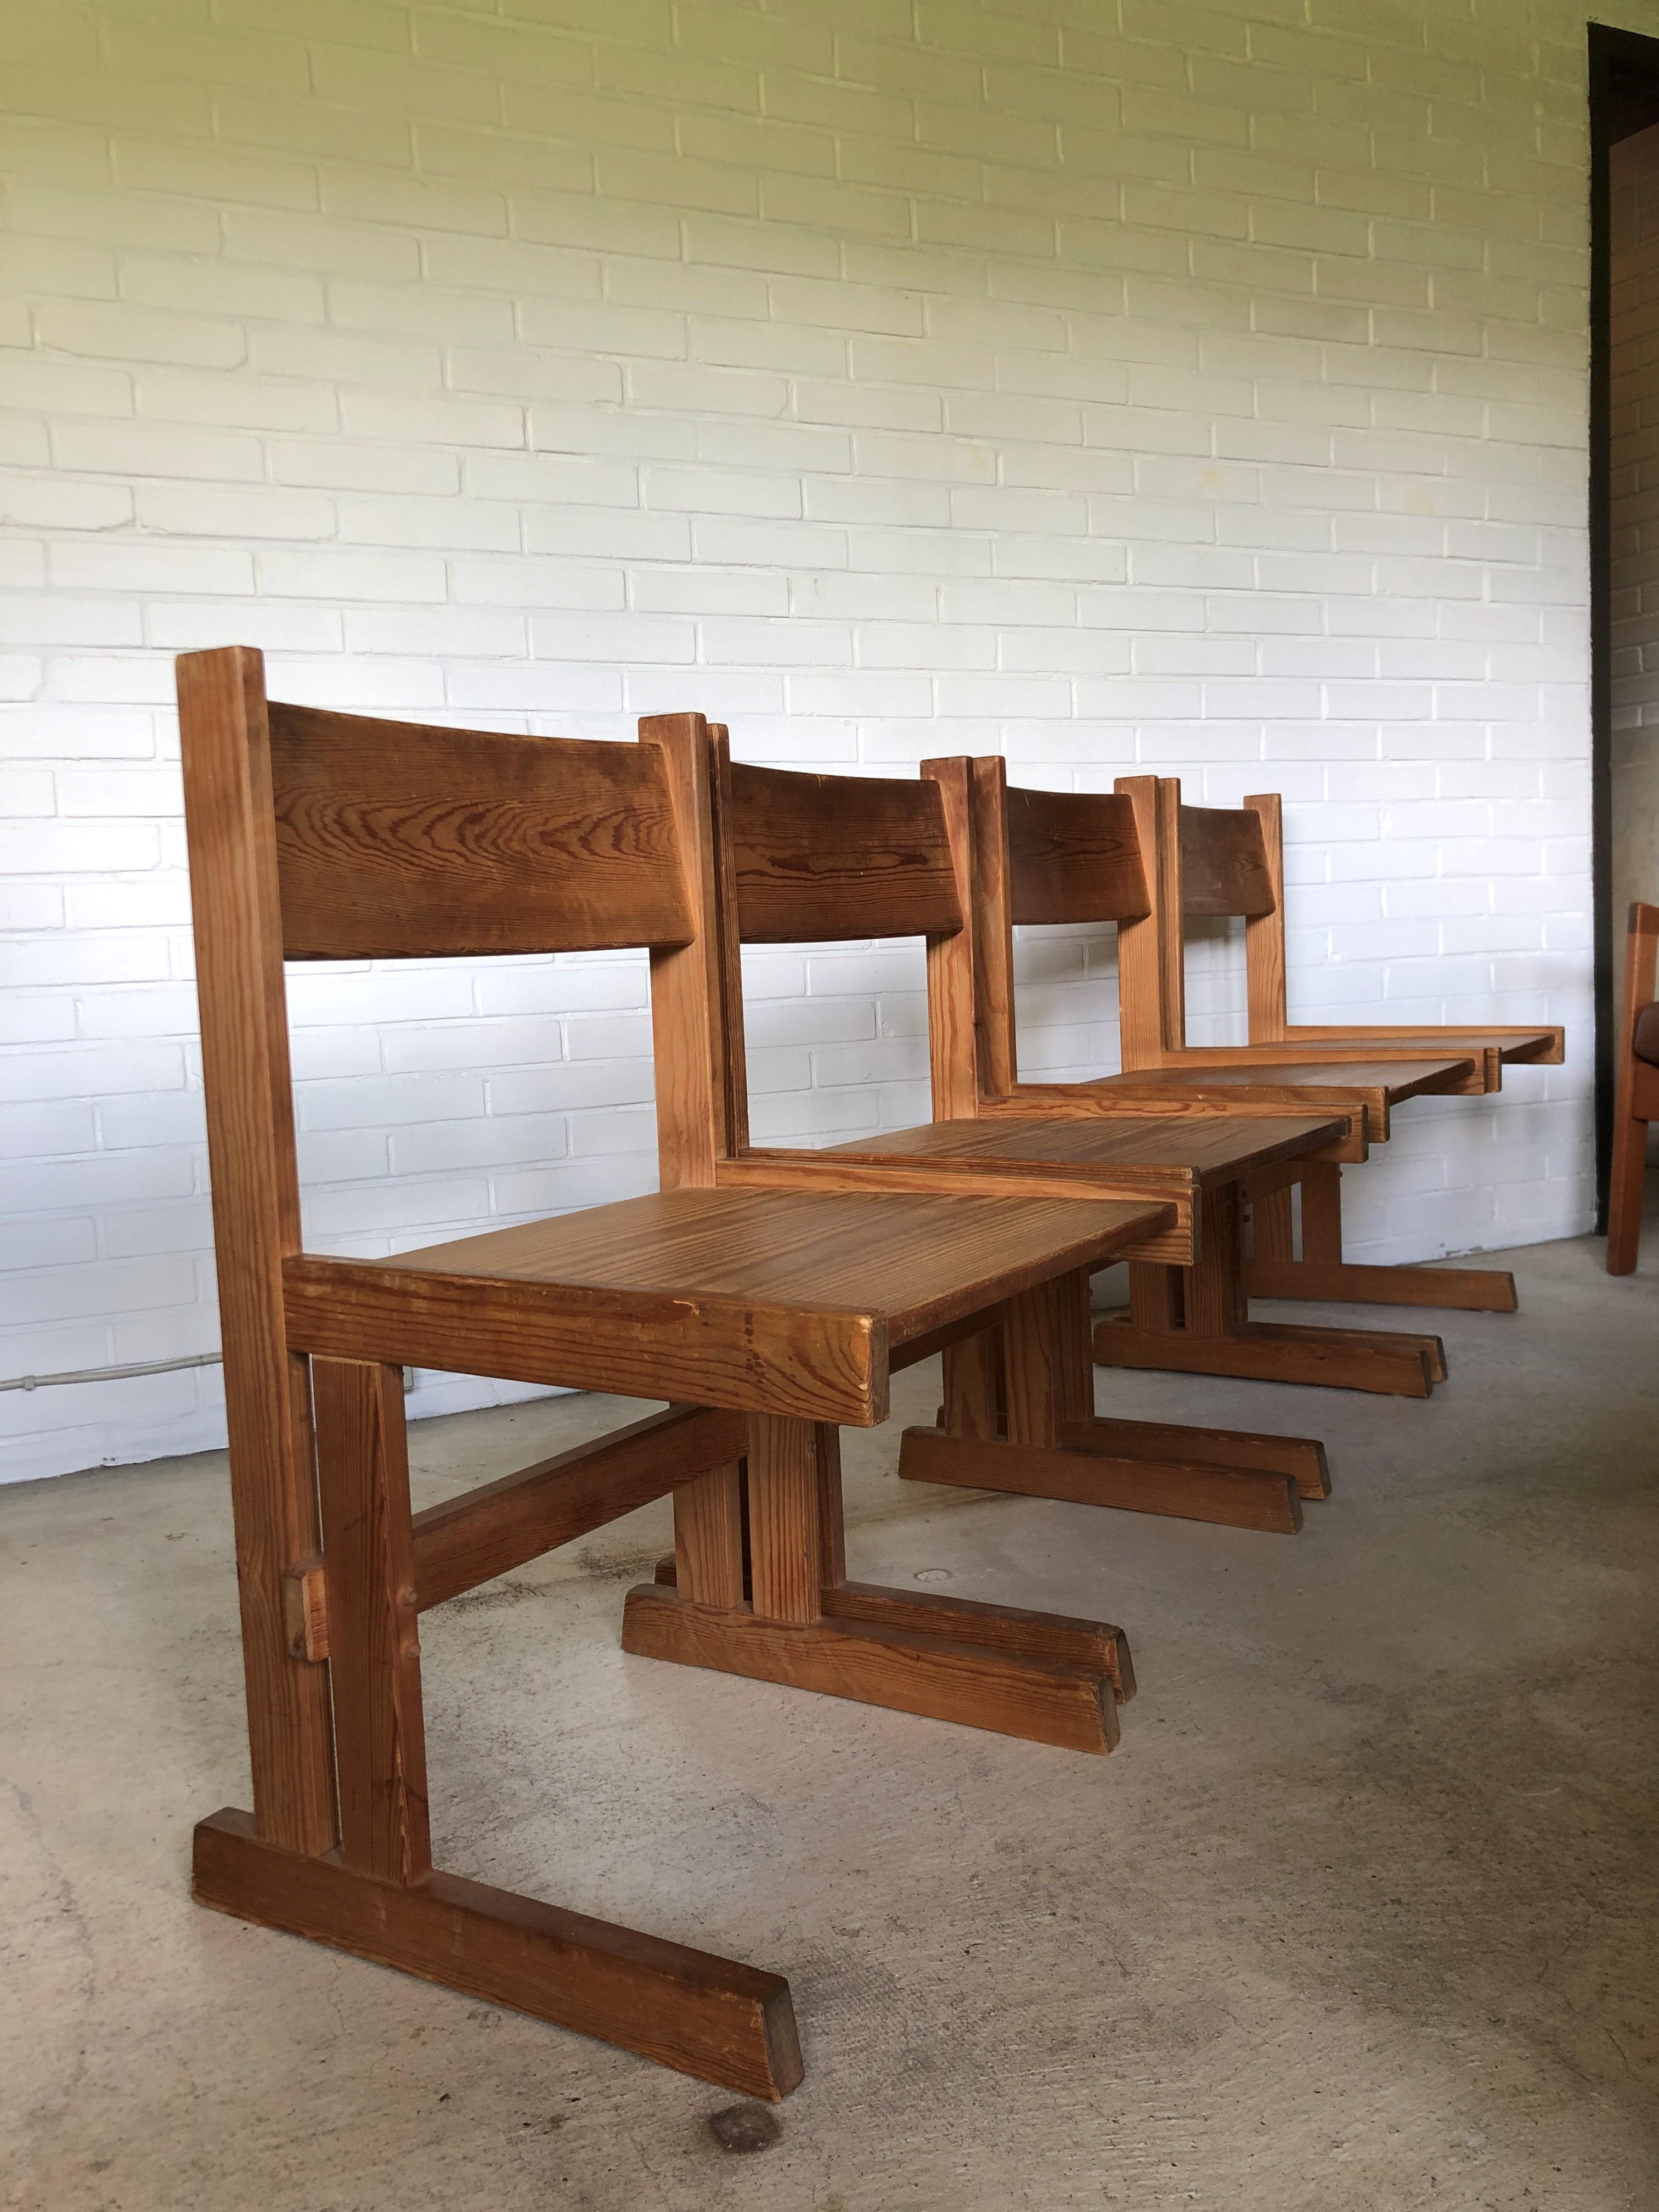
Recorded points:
(1074, 856)
(832, 1526)
(1224, 863)
(373, 1650)
(701, 2014)
(786, 1549)
(1272, 1226)
(688, 1047)
(397, 840)
(729, 939)
(971, 1384)
(1264, 1351)
(990, 902)
(1630, 1126)
(235, 908)
(953, 1021)
(1458, 1290)
(741, 1354)
(826, 858)
(1213, 1291)
(1264, 932)
(1184, 1490)
(1537, 1048)
(1302, 1458)
(1094, 1646)
(1007, 1691)
(1129, 1149)
(1173, 1102)
(708, 1543)
(1321, 1216)
(487, 1531)
(1405, 1074)
(1166, 1233)
(708, 1258)
(1032, 1365)
(1152, 994)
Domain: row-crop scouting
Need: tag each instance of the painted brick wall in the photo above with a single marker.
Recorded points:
(1114, 383)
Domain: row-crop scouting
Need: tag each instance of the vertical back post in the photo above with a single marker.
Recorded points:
(230, 829)
(991, 910)
(729, 939)
(1151, 999)
(970, 1026)
(701, 1104)
(1264, 933)
(686, 994)
(954, 1029)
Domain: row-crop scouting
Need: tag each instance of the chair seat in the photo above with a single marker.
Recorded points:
(1645, 1041)
(763, 1301)
(1510, 1044)
(1394, 1079)
(1125, 1147)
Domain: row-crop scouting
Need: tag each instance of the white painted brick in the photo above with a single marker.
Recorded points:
(152, 449)
(115, 331)
(352, 575)
(1200, 392)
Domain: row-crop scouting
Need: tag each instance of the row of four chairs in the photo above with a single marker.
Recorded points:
(766, 1295)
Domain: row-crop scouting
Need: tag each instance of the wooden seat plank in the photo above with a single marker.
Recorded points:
(916, 1262)
(1137, 1148)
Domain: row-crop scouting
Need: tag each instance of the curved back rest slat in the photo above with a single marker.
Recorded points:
(821, 858)
(397, 839)
(1074, 856)
(1224, 864)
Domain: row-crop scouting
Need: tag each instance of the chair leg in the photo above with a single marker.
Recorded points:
(1625, 1191)
(374, 1652)
(1042, 1676)
(1217, 1338)
(1055, 1447)
(377, 1895)
(1323, 1273)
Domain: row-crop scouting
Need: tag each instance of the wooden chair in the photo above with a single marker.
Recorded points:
(1636, 1101)
(1199, 850)
(1086, 857)
(764, 1318)
(1224, 862)
(803, 858)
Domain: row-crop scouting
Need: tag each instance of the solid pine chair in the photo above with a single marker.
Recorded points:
(1225, 861)
(1070, 856)
(764, 1318)
(1637, 1101)
(815, 857)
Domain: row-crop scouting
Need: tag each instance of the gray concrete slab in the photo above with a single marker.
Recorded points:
(1361, 1915)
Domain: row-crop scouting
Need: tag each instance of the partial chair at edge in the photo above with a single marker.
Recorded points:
(1636, 1101)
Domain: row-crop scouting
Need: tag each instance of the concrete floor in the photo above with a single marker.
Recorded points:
(1362, 1914)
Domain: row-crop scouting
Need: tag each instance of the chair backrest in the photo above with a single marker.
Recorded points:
(1072, 856)
(1047, 856)
(1220, 864)
(828, 858)
(315, 836)
(815, 859)
(398, 840)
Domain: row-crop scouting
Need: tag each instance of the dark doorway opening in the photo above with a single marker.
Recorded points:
(1624, 102)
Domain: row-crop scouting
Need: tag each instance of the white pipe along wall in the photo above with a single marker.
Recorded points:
(1116, 385)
